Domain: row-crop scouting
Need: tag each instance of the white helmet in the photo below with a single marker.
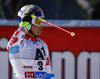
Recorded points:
(33, 9)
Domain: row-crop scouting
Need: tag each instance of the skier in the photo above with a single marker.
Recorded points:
(28, 54)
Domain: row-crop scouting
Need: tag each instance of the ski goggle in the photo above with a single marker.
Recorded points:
(37, 22)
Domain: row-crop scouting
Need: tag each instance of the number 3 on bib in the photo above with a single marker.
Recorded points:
(40, 63)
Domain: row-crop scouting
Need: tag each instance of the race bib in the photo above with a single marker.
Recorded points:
(29, 68)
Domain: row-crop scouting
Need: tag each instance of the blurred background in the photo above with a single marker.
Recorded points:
(75, 57)
(54, 9)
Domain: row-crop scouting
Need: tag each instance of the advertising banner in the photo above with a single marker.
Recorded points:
(75, 57)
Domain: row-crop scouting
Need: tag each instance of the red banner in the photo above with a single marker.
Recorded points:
(85, 43)
(86, 38)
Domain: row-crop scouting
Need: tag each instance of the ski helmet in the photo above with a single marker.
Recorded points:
(33, 9)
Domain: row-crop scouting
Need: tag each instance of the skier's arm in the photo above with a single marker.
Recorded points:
(16, 40)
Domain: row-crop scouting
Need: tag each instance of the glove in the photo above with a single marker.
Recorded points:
(26, 21)
(27, 18)
(25, 24)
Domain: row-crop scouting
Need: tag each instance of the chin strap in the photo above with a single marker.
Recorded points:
(32, 33)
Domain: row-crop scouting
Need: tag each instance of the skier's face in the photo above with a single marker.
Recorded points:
(36, 30)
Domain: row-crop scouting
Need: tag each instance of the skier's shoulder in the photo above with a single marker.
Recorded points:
(42, 41)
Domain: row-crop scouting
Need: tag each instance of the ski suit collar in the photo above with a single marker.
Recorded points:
(30, 37)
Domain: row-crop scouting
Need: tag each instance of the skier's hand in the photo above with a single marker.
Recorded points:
(26, 21)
